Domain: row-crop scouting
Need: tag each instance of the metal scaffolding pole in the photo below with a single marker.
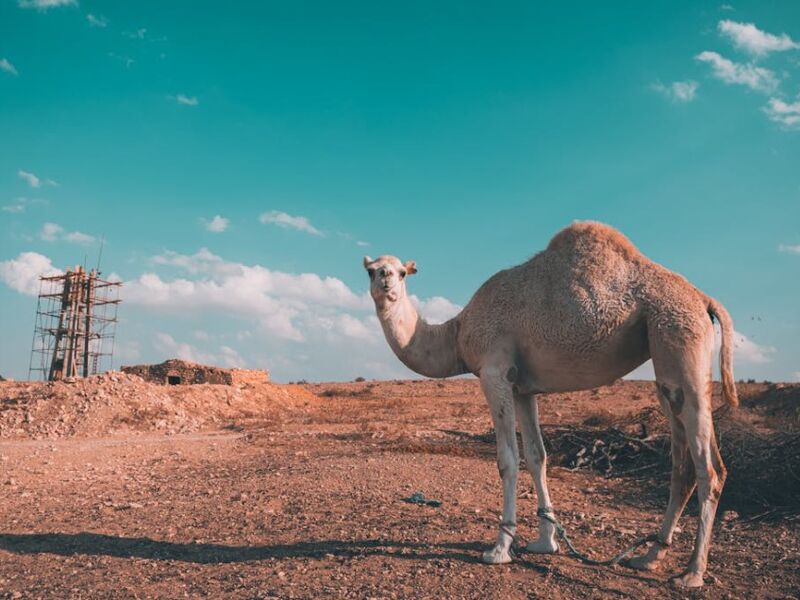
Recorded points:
(76, 318)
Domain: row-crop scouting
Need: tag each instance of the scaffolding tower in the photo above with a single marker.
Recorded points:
(76, 319)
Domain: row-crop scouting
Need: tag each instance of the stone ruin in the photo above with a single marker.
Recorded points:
(181, 372)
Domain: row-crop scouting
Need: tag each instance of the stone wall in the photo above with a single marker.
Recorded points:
(180, 372)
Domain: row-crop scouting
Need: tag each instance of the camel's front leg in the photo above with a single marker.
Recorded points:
(536, 460)
(497, 390)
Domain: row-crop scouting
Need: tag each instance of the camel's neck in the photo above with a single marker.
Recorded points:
(430, 350)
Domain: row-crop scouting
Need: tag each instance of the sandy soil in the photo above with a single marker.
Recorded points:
(305, 500)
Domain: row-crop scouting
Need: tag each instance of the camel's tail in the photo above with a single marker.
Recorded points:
(715, 309)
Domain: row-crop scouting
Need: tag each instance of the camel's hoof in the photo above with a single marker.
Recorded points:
(688, 580)
(497, 556)
(642, 563)
(542, 546)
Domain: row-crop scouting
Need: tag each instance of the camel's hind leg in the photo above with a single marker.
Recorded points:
(682, 485)
(711, 474)
(536, 461)
(683, 372)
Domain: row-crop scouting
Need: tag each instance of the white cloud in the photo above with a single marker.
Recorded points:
(22, 273)
(52, 232)
(362, 244)
(231, 358)
(748, 37)
(30, 178)
(166, 344)
(126, 60)
(96, 20)
(282, 219)
(6, 66)
(45, 4)
(299, 325)
(783, 113)
(756, 78)
(745, 350)
(186, 100)
(679, 91)
(76, 237)
(136, 35)
(726, 7)
(217, 224)
(21, 204)
(792, 249)
(33, 180)
(436, 309)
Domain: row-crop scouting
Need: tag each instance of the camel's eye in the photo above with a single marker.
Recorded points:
(402, 274)
(371, 273)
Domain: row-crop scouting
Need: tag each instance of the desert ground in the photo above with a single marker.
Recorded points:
(116, 488)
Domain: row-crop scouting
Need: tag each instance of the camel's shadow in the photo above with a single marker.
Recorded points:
(97, 544)
(69, 544)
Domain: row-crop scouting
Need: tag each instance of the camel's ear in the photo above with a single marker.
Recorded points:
(411, 267)
(370, 270)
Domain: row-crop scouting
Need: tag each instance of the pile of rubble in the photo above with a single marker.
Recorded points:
(119, 402)
(761, 455)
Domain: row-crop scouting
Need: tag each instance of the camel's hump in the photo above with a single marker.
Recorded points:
(593, 237)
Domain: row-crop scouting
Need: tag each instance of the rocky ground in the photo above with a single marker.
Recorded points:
(117, 488)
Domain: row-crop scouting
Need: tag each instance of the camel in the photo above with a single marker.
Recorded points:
(587, 310)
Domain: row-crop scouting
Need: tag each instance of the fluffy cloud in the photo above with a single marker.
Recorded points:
(45, 4)
(679, 91)
(217, 224)
(436, 309)
(52, 232)
(76, 237)
(31, 179)
(786, 114)
(21, 204)
(791, 249)
(22, 273)
(282, 219)
(756, 78)
(169, 348)
(295, 324)
(136, 35)
(747, 351)
(186, 100)
(748, 37)
(6, 66)
(96, 20)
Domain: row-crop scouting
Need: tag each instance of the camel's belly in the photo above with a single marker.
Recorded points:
(551, 368)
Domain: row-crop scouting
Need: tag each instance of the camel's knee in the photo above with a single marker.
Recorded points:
(710, 484)
(535, 459)
(507, 463)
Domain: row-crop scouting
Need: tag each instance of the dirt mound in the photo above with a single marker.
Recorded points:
(118, 402)
(761, 462)
(778, 403)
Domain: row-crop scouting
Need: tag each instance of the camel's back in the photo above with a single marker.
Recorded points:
(568, 299)
(578, 310)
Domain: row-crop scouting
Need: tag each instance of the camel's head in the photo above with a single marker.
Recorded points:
(387, 277)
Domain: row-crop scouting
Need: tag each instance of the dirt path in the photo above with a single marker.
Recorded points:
(311, 507)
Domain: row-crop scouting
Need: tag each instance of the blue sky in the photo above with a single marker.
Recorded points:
(239, 161)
